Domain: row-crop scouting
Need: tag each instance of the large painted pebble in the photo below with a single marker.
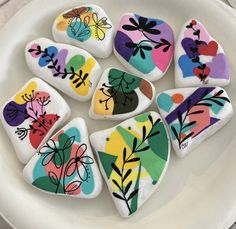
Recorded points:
(145, 46)
(120, 95)
(70, 69)
(31, 116)
(199, 58)
(65, 165)
(193, 114)
(133, 158)
(85, 26)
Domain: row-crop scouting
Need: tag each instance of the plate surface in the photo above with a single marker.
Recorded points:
(196, 192)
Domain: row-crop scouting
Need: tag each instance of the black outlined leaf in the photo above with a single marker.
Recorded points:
(53, 178)
(69, 142)
(126, 175)
(116, 169)
(118, 196)
(135, 192)
(72, 187)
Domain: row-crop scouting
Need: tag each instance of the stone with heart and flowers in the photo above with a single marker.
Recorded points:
(65, 165)
(85, 26)
(145, 46)
(199, 58)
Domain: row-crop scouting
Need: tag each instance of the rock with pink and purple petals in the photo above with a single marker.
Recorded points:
(145, 46)
(70, 69)
(199, 58)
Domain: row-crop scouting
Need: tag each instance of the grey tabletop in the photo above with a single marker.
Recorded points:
(7, 9)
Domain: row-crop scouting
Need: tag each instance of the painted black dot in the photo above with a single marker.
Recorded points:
(129, 128)
(107, 139)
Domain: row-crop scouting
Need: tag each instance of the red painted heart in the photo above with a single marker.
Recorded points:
(209, 49)
(202, 74)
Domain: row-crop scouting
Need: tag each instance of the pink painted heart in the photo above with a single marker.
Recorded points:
(208, 50)
(162, 59)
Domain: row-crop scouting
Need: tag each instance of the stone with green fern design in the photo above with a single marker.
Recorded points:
(133, 157)
(120, 95)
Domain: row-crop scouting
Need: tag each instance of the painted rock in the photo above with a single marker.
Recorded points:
(199, 58)
(31, 116)
(145, 46)
(72, 70)
(87, 27)
(65, 165)
(120, 95)
(193, 114)
(133, 158)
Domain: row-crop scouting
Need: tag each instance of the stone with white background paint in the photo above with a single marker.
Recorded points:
(65, 165)
(120, 95)
(199, 59)
(133, 158)
(193, 114)
(145, 46)
(86, 26)
(31, 116)
(70, 69)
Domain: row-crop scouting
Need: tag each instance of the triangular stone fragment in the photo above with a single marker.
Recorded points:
(193, 114)
(85, 26)
(65, 165)
(120, 95)
(145, 46)
(70, 69)
(199, 58)
(133, 158)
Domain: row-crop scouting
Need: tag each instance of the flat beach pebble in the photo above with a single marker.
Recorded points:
(193, 114)
(65, 165)
(70, 69)
(145, 46)
(133, 158)
(31, 116)
(85, 26)
(120, 95)
(199, 58)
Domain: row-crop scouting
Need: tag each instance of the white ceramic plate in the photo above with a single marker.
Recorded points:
(197, 191)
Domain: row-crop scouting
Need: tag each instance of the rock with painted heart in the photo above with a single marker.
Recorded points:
(199, 58)
(145, 46)
(65, 165)
(120, 95)
(85, 26)
(31, 116)
(193, 114)
(133, 158)
(70, 69)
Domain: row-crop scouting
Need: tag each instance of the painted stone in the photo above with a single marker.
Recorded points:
(199, 58)
(145, 46)
(120, 95)
(133, 158)
(85, 26)
(193, 114)
(65, 165)
(31, 116)
(70, 69)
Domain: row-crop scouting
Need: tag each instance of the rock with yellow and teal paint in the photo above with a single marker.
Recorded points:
(65, 165)
(133, 158)
(70, 69)
(120, 95)
(85, 26)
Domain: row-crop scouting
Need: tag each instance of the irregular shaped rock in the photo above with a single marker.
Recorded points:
(133, 158)
(145, 46)
(31, 115)
(120, 95)
(85, 26)
(65, 165)
(199, 58)
(72, 70)
(193, 114)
